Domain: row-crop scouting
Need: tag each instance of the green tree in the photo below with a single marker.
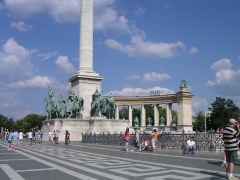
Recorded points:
(198, 124)
(222, 110)
(30, 121)
(7, 123)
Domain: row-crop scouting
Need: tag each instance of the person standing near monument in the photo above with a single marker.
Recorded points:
(127, 139)
(154, 138)
(67, 137)
(230, 134)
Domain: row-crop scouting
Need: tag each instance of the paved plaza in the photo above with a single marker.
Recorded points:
(92, 162)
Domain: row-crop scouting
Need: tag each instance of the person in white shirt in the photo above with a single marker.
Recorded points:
(50, 136)
(20, 138)
(30, 136)
(191, 145)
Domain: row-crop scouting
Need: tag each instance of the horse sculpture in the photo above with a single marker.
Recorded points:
(59, 108)
(102, 106)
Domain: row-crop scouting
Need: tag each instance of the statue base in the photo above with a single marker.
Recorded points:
(78, 126)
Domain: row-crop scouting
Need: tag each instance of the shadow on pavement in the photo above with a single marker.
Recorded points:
(217, 175)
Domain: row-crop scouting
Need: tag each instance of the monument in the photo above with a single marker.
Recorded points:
(86, 81)
(85, 110)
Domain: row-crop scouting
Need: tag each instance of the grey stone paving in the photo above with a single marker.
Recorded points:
(92, 162)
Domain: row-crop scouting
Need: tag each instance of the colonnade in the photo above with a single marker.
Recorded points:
(182, 99)
(143, 114)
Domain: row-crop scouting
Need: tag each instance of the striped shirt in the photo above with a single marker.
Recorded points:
(230, 139)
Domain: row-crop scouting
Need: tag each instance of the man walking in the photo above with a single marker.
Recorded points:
(230, 134)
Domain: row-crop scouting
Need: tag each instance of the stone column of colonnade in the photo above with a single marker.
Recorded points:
(169, 114)
(117, 112)
(143, 116)
(130, 115)
(156, 115)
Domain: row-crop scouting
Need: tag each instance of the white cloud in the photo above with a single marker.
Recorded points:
(60, 10)
(224, 63)
(15, 61)
(9, 100)
(64, 64)
(154, 77)
(134, 77)
(227, 80)
(64, 10)
(129, 91)
(21, 26)
(193, 50)
(35, 82)
(139, 48)
(46, 56)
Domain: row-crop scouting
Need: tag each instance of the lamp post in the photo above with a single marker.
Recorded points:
(206, 113)
(205, 123)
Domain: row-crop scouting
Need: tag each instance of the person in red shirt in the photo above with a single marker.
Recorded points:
(126, 139)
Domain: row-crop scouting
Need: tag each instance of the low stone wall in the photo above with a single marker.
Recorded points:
(78, 126)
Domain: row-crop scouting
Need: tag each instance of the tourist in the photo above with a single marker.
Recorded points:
(50, 136)
(9, 138)
(127, 139)
(57, 136)
(230, 133)
(191, 145)
(34, 134)
(67, 137)
(137, 134)
(20, 138)
(154, 138)
(15, 140)
(54, 136)
(143, 145)
(6, 134)
(30, 137)
(39, 136)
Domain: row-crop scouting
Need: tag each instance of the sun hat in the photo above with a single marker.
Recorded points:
(232, 121)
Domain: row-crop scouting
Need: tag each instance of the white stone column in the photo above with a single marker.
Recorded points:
(143, 116)
(169, 114)
(117, 112)
(86, 37)
(156, 115)
(130, 115)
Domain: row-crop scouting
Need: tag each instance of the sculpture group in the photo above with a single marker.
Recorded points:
(73, 106)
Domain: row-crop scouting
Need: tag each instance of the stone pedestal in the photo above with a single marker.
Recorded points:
(84, 85)
(78, 126)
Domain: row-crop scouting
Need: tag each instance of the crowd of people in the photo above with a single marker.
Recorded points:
(15, 138)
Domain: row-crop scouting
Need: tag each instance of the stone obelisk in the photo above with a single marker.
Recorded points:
(85, 82)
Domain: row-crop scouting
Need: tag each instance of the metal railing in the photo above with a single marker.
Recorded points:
(210, 141)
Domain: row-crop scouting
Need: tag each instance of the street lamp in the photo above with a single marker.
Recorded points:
(206, 114)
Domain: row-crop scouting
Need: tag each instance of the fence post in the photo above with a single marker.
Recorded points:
(211, 144)
(183, 142)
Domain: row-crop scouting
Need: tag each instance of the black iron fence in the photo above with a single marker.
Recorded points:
(204, 141)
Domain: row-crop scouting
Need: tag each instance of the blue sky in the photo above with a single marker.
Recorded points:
(139, 46)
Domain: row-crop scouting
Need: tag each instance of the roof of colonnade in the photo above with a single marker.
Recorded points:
(133, 100)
